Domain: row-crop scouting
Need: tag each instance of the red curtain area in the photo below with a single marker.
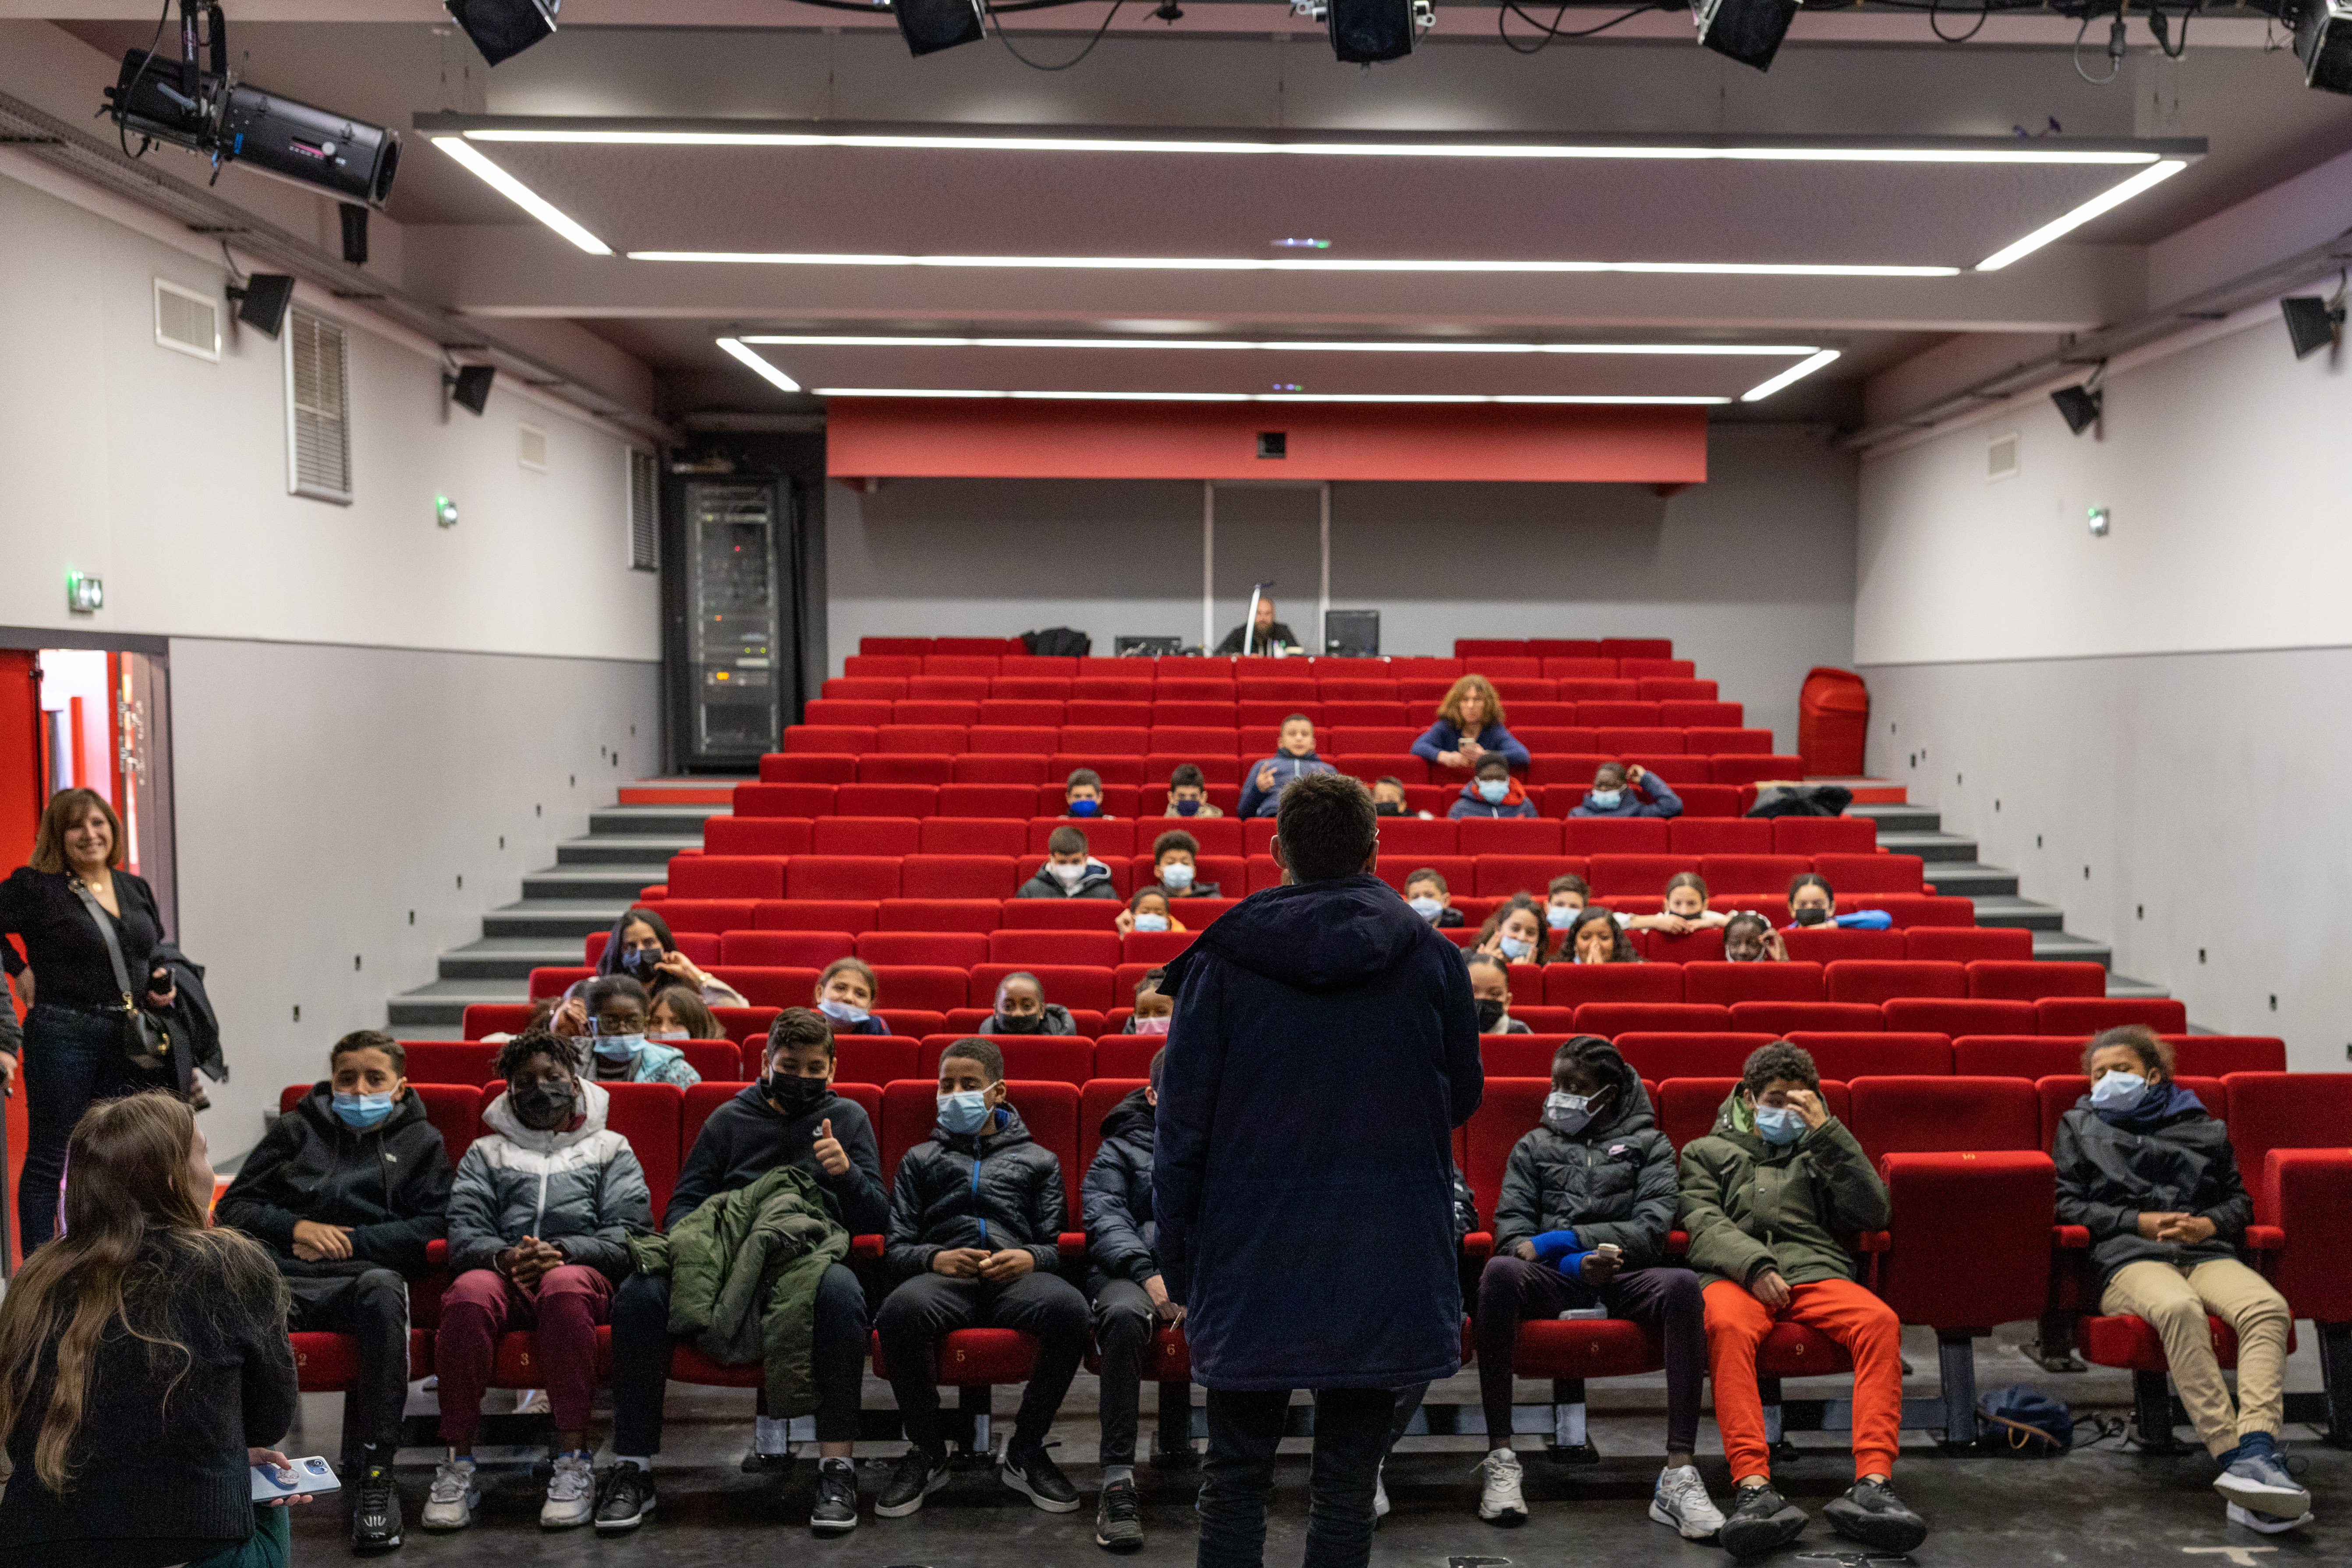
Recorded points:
(987, 438)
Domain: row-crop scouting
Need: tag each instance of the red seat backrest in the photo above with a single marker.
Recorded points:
(1060, 915)
(1096, 1099)
(1941, 1115)
(1610, 1019)
(1876, 980)
(2030, 982)
(713, 915)
(464, 1062)
(1779, 1018)
(1575, 985)
(1967, 944)
(1508, 836)
(768, 835)
(1042, 1059)
(1704, 1054)
(496, 1018)
(840, 877)
(1068, 984)
(2287, 1110)
(649, 1116)
(1639, 874)
(1877, 1054)
(932, 988)
(1126, 1055)
(1519, 1056)
(1720, 835)
(2213, 1055)
(1730, 982)
(2089, 1015)
(857, 836)
(874, 1059)
(972, 835)
(455, 1109)
(772, 987)
(938, 949)
(1829, 944)
(1958, 1016)
(795, 949)
(2030, 1057)
(1756, 876)
(1617, 836)
(978, 916)
(1509, 1110)
(852, 915)
(1500, 875)
(1086, 947)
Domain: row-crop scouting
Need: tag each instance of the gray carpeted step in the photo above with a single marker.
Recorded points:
(509, 958)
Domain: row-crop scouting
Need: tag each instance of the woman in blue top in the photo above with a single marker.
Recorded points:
(1469, 725)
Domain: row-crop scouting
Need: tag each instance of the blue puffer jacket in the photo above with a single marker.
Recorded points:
(1651, 797)
(1323, 1047)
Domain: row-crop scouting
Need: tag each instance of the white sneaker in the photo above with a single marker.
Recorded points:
(1682, 1502)
(1501, 1502)
(570, 1493)
(451, 1504)
(1380, 1493)
(2267, 1523)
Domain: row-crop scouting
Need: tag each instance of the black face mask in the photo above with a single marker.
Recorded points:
(639, 963)
(1387, 808)
(1490, 1013)
(793, 1094)
(1020, 1023)
(542, 1107)
(1810, 915)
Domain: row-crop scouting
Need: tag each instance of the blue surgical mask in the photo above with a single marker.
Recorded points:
(1606, 799)
(1559, 917)
(619, 1048)
(1152, 923)
(842, 1011)
(1567, 1114)
(2117, 1090)
(1085, 807)
(1515, 950)
(1187, 807)
(1778, 1124)
(1492, 791)
(1427, 908)
(360, 1111)
(964, 1111)
(1176, 875)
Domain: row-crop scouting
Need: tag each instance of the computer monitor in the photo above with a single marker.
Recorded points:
(1352, 634)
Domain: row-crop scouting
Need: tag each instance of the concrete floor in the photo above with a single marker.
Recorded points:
(2099, 1505)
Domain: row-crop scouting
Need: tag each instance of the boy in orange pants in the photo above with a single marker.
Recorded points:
(1766, 1196)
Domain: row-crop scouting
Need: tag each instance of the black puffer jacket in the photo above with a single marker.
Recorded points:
(996, 1190)
(2107, 1176)
(1612, 1182)
(1116, 1194)
(390, 1183)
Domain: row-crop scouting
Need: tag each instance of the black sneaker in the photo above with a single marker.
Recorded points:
(1118, 1518)
(1761, 1520)
(919, 1475)
(835, 1512)
(625, 1499)
(1032, 1473)
(1871, 1513)
(375, 1510)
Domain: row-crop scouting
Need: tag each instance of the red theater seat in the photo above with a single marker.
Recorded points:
(852, 915)
(1854, 874)
(1509, 836)
(1610, 1019)
(1612, 875)
(1043, 1058)
(1691, 947)
(1575, 985)
(986, 800)
(813, 769)
(936, 950)
(1867, 980)
(1781, 1018)
(1691, 837)
(1519, 1056)
(957, 877)
(840, 877)
(1661, 1054)
(1877, 1055)
(2029, 1056)
(1096, 948)
(849, 739)
(726, 877)
(1499, 875)
(784, 949)
(1829, 944)
(2287, 1111)
(930, 988)
(1615, 836)
(1061, 914)
(483, 1018)
(864, 1059)
(1969, 944)
(2074, 1015)
(768, 836)
(972, 835)
(2211, 1055)
(1761, 877)
(1070, 985)
(464, 1062)
(1958, 1016)
(887, 835)
(2030, 982)
(1915, 1114)
(1107, 839)
(1824, 835)
(1730, 982)
(2002, 1197)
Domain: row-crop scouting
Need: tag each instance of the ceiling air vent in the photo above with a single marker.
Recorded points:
(186, 321)
(2001, 457)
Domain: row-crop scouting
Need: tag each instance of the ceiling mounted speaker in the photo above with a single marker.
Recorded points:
(1748, 31)
(2079, 406)
(2323, 42)
(504, 28)
(930, 25)
(261, 301)
(1364, 32)
(469, 385)
(2311, 322)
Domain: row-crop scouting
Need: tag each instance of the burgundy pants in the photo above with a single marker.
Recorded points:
(564, 1306)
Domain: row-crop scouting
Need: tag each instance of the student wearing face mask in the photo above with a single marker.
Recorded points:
(2149, 1172)
(1627, 789)
(641, 948)
(846, 994)
(1148, 911)
(1514, 933)
(619, 1050)
(1187, 793)
(1769, 1197)
(678, 1015)
(1022, 1009)
(1565, 897)
(539, 1219)
(1082, 794)
(1130, 1300)
(1490, 988)
(1175, 866)
(346, 1191)
(1431, 898)
(1813, 903)
(1748, 938)
(1069, 871)
(976, 1217)
(1686, 909)
(1389, 799)
(1492, 792)
(1595, 935)
(790, 1117)
(1153, 1007)
(1581, 1220)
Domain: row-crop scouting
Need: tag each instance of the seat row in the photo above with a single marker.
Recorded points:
(1610, 663)
(1014, 647)
(1004, 786)
(1673, 704)
(839, 727)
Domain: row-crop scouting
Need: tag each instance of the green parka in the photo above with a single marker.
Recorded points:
(1750, 1205)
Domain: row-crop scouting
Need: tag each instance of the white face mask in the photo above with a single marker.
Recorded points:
(1150, 922)
(1067, 872)
(1176, 876)
(1427, 908)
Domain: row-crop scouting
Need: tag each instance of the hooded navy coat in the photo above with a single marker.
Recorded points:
(1324, 1047)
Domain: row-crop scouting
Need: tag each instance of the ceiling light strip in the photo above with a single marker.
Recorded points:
(522, 195)
(1795, 373)
(797, 340)
(1254, 396)
(1284, 264)
(760, 365)
(2146, 179)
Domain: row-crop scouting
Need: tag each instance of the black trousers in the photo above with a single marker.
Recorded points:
(373, 1307)
(1123, 1325)
(1512, 1291)
(642, 1344)
(1351, 1436)
(918, 1312)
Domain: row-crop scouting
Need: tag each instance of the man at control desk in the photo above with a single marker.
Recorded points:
(1265, 635)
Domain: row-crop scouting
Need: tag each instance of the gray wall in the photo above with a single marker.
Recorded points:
(2196, 790)
(1752, 573)
(324, 793)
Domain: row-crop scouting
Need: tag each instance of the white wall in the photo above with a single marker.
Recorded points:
(2142, 724)
(1752, 573)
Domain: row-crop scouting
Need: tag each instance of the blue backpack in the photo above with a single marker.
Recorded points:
(2026, 1422)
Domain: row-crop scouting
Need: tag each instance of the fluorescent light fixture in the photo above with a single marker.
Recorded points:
(1245, 396)
(2146, 179)
(813, 340)
(759, 365)
(1795, 373)
(1798, 155)
(522, 195)
(1282, 264)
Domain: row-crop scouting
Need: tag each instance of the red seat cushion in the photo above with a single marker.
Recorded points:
(515, 1363)
(2134, 1344)
(976, 1357)
(1793, 1350)
(329, 1364)
(1587, 1347)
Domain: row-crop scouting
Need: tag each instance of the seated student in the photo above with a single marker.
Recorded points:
(619, 1050)
(1069, 871)
(345, 1191)
(1389, 799)
(1686, 909)
(641, 948)
(2150, 1173)
(1022, 1009)
(1187, 793)
(1175, 866)
(1514, 932)
(1587, 1200)
(1148, 911)
(1294, 758)
(1469, 726)
(1769, 1197)
(790, 1116)
(1082, 794)
(975, 1224)
(1153, 1007)
(1490, 988)
(1622, 789)
(1813, 903)
(678, 1015)
(1492, 792)
(1129, 1302)
(847, 993)
(1564, 896)
(1748, 938)
(1426, 891)
(539, 1217)
(1596, 935)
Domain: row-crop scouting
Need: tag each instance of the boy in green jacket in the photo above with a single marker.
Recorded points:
(1766, 1197)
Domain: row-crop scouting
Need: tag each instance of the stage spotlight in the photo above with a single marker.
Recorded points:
(2313, 323)
(469, 385)
(2079, 406)
(208, 111)
(1364, 32)
(2323, 42)
(1748, 31)
(502, 30)
(930, 25)
(261, 301)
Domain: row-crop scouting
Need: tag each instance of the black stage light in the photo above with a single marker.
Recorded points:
(261, 301)
(930, 25)
(2079, 406)
(2323, 42)
(502, 30)
(235, 121)
(2311, 322)
(1364, 32)
(1748, 31)
(469, 385)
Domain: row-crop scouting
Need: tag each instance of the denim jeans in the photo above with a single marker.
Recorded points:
(1351, 1436)
(72, 1058)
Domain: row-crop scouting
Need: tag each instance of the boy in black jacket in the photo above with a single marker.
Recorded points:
(790, 1117)
(346, 1190)
(1123, 1281)
(975, 1225)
